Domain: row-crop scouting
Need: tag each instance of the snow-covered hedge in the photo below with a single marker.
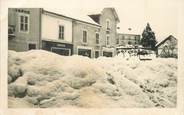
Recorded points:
(43, 79)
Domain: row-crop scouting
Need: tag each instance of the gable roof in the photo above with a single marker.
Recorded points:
(164, 40)
(72, 15)
(115, 14)
(98, 13)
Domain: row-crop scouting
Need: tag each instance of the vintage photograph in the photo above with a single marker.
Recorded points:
(103, 55)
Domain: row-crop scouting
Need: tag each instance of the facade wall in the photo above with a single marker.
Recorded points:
(50, 27)
(107, 14)
(78, 43)
(44, 26)
(22, 39)
(128, 39)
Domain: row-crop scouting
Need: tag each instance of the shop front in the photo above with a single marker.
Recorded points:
(84, 51)
(108, 52)
(65, 49)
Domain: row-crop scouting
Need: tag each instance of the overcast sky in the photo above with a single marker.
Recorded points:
(161, 14)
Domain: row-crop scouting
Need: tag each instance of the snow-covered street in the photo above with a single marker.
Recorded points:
(38, 78)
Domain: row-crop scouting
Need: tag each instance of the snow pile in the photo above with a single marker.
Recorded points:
(39, 78)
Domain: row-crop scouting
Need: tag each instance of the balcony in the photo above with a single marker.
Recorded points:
(11, 31)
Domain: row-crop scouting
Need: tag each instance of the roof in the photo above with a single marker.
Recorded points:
(99, 12)
(72, 15)
(164, 40)
(116, 15)
(129, 34)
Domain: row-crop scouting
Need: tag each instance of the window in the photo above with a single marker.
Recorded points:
(126, 37)
(107, 40)
(123, 38)
(11, 31)
(61, 51)
(84, 52)
(85, 36)
(117, 41)
(31, 46)
(107, 54)
(108, 24)
(129, 43)
(61, 32)
(97, 38)
(24, 23)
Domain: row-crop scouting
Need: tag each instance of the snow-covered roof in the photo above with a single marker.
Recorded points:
(163, 40)
(99, 11)
(73, 14)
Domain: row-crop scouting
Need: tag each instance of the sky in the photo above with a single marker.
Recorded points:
(162, 15)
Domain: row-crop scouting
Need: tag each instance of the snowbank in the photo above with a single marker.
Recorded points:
(43, 79)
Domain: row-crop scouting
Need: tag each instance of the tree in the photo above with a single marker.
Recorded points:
(148, 37)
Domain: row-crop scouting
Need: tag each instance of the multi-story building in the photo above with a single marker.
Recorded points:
(24, 29)
(56, 33)
(86, 39)
(108, 19)
(128, 39)
(36, 28)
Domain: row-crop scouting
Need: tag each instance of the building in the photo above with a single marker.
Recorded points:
(86, 39)
(108, 19)
(167, 47)
(128, 39)
(128, 43)
(37, 28)
(56, 34)
(24, 29)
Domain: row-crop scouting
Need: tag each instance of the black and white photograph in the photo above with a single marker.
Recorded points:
(93, 54)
